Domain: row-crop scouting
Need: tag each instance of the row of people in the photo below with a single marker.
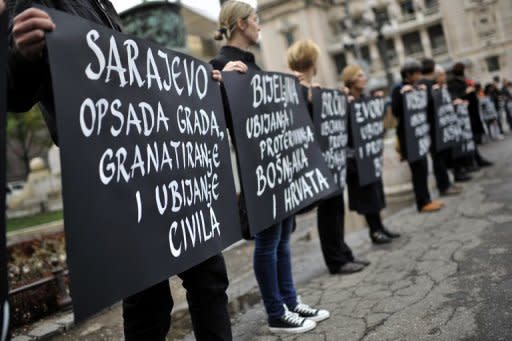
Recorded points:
(147, 314)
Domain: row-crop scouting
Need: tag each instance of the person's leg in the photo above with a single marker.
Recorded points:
(419, 171)
(284, 265)
(441, 172)
(147, 314)
(206, 285)
(331, 226)
(265, 270)
(375, 227)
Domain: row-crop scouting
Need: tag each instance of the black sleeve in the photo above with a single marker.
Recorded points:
(397, 104)
(25, 79)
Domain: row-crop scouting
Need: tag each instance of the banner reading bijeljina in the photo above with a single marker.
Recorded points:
(330, 120)
(147, 182)
(466, 145)
(367, 128)
(4, 305)
(282, 166)
(417, 128)
(446, 123)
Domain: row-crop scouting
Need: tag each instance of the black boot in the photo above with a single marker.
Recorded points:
(378, 238)
(390, 234)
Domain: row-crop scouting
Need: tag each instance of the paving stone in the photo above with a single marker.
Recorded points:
(45, 330)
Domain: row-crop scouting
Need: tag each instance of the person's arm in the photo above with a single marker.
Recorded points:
(27, 68)
(397, 103)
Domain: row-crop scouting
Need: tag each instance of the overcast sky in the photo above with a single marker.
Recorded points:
(209, 8)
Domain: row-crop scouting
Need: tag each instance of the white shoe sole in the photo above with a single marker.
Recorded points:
(320, 318)
(299, 330)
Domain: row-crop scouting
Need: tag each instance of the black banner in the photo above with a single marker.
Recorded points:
(488, 109)
(446, 123)
(367, 128)
(466, 144)
(417, 129)
(147, 182)
(330, 120)
(281, 164)
(4, 306)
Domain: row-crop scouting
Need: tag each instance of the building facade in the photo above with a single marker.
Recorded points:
(382, 34)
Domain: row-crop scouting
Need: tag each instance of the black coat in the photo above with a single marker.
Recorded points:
(228, 54)
(457, 88)
(30, 82)
(366, 199)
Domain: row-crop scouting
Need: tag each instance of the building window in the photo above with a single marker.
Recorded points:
(493, 63)
(341, 61)
(289, 37)
(391, 54)
(412, 45)
(365, 54)
(437, 40)
(407, 7)
(431, 6)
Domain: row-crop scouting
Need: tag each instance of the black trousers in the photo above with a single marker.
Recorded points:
(374, 222)
(440, 161)
(147, 314)
(419, 171)
(331, 228)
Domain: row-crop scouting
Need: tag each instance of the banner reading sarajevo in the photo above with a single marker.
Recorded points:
(417, 129)
(446, 122)
(281, 164)
(4, 305)
(147, 182)
(367, 129)
(330, 120)
(466, 144)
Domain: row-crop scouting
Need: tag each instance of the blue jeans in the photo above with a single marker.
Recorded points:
(273, 268)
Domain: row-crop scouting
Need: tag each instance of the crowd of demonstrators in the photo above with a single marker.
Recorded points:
(147, 314)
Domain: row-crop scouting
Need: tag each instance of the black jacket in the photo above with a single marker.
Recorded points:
(457, 88)
(397, 106)
(30, 82)
(229, 54)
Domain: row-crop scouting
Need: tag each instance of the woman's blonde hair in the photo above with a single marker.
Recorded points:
(302, 55)
(349, 74)
(230, 12)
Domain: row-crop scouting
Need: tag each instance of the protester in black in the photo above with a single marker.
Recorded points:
(411, 74)
(146, 314)
(440, 159)
(302, 59)
(368, 200)
(459, 89)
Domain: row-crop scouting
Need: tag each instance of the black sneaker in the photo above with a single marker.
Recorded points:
(305, 311)
(291, 323)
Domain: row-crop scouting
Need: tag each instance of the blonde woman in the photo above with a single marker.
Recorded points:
(239, 25)
(302, 59)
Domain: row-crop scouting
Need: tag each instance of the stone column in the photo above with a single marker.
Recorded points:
(399, 46)
(425, 42)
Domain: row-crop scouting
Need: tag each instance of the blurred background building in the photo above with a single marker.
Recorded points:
(382, 34)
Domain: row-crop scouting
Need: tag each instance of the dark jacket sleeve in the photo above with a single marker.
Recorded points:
(24, 78)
